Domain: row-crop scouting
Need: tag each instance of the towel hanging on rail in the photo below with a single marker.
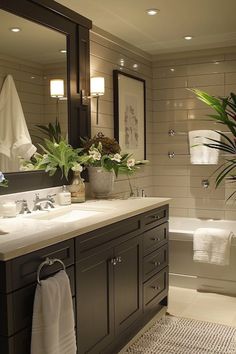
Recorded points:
(14, 135)
(53, 319)
(200, 154)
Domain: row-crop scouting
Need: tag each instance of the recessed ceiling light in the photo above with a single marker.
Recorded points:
(135, 66)
(188, 38)
(122, 62)
(63, 51)
(172, 69)
(15, 29)
(216, 62)
(152, 12)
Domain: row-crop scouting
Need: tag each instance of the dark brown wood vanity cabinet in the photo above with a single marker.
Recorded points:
(118, 276)
(122, 273)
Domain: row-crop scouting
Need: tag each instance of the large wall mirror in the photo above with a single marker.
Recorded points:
(41, 41)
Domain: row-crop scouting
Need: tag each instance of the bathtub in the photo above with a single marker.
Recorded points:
(188, 274)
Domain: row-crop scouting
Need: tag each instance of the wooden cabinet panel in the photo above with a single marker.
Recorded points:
(127, 284)
(95, 302)
(155, 238)
(24, 269)
(154, 262)
(155, 289)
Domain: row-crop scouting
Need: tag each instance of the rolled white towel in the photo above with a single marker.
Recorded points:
(211, 245)
(200, 154)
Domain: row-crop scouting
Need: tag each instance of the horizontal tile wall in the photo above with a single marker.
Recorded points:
(106, 55)
(175, 107)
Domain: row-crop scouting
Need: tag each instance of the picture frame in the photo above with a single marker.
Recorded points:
(130, 113)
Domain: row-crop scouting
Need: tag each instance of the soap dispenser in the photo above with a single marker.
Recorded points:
(64, 197)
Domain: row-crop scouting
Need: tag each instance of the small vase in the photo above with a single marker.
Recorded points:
(101, 182)
(77, 188)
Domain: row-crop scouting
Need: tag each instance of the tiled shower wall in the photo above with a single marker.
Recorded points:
(107, 54)
(175, 107)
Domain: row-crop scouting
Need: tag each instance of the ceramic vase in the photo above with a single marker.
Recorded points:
(101, 182)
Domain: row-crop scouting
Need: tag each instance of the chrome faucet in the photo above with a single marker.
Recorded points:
(48, 202)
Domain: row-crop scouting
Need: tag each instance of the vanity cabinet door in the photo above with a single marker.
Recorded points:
(127, 284)
(95, 328)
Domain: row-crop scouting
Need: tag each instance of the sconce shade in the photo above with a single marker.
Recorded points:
(97, 86)
(57, 88)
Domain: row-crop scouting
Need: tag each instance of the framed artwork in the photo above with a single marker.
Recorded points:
(130, 113)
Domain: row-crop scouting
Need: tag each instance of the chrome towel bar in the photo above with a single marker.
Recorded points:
(172, 132)
(48, 262)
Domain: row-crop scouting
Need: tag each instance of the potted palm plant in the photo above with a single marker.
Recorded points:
(225, 108)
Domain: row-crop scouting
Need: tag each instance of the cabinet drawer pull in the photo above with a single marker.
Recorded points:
(156, 217)
(155, 238)
(155, 287)
(156, 264)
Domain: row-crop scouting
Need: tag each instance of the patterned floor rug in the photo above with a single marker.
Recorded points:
(176, 335)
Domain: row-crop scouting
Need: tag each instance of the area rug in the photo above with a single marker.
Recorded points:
(177, 335)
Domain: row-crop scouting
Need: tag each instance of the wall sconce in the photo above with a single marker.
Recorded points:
(57, 91)
(97, 89)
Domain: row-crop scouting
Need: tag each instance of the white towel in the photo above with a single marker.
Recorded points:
(200, 154)
(212, 245)
(14, 135)
(53, 320)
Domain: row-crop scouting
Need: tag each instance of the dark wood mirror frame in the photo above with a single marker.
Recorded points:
(76, 28)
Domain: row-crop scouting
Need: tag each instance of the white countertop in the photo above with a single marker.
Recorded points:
(26, 234)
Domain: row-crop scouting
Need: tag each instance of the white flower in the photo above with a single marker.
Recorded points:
(2, 178)
(77, 167)
(27, 167)
(131, 163)
(56, 145)
(95, 154)
(116, 157)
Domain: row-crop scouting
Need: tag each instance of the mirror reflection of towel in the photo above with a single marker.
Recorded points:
(15, 139)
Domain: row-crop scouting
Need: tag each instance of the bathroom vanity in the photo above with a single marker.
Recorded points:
(117, 262)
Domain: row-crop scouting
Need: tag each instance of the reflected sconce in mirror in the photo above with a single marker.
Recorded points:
(57, 91)
(97, 89)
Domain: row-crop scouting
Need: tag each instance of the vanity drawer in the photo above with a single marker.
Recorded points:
(154, 262)
(17, 307)
(155, 238)
(24, 268)
(155, 289)
(156, 217)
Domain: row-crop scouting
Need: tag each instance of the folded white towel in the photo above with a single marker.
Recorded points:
(200, 154)
(53, 320)
(212, 246)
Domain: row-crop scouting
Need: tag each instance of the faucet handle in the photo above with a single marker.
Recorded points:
(50, 197)
(24, 206)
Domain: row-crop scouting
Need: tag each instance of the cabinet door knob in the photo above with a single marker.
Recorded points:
(155, 287)
(119, 259)
(114, 261)
(157, 264)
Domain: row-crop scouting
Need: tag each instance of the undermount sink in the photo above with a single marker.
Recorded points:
(65, 215)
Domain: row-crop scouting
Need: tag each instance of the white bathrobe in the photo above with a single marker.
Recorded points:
(15, 140)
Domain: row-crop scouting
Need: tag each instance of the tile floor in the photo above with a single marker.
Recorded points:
(202, 306)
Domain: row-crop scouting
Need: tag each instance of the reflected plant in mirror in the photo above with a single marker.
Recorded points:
(29, 60)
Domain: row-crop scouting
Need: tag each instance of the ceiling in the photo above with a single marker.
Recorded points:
(35, 43)
(212, 23)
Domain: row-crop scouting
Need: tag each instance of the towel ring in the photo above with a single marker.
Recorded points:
(49, 262)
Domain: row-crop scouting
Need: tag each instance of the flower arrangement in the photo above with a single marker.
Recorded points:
(55, 156)
(3, 180)
(101, 151)
(225, 108)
